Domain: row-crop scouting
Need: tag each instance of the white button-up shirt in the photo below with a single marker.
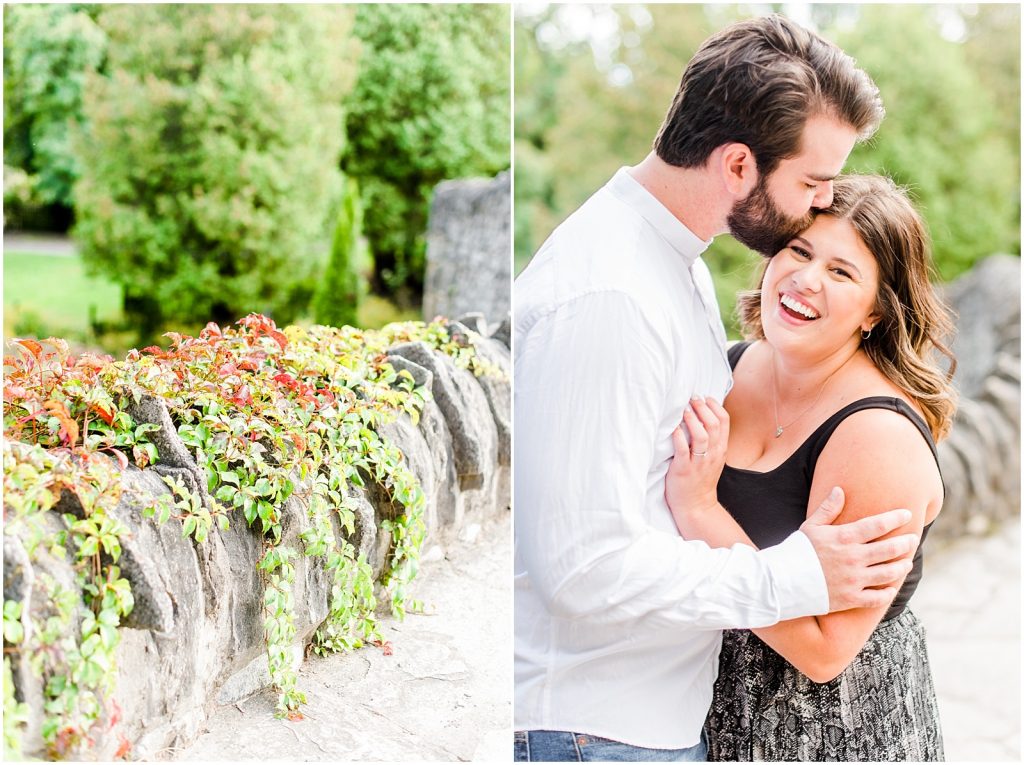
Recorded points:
(617, 617)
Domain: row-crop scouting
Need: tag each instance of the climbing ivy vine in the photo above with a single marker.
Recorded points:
(271, 416)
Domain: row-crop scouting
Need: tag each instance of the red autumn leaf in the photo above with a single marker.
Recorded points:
(295, 715)
(121, 458)
(326, 393)
(12, 392)
(242, 396)
(115, 715)
(278, 338)
(156, 350)
(247, 365)
(300, 442)
(107, 417)
(385, 644)
(228, 369)
(286, 379)
(68, 427)
(210, 330)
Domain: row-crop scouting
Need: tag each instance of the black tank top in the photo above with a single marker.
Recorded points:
(744, 492)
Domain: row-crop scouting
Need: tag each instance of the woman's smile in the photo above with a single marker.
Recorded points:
(825, 281)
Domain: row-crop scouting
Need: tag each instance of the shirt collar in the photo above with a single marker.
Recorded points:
(674, 231)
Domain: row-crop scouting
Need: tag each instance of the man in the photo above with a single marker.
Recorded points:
(618, 618)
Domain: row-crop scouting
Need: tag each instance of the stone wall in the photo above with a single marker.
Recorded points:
(195, 637)
(469, 249)
(981, 458)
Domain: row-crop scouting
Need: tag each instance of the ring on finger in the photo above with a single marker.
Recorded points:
(698, 454)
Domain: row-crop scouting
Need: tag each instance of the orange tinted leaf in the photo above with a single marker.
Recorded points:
(32, 346)
(68, 427)
(107, 417)
(123, 749)
(141, 456)
(385, 644)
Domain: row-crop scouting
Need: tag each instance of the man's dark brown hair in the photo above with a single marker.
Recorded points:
(757, 82)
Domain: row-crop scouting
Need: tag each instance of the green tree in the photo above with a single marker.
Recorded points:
(343, 286)
(431, 102)
(48, 50)
(608, 112)
(942, 136)
(210, 157)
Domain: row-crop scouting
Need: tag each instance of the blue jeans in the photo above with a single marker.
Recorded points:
(562, 746)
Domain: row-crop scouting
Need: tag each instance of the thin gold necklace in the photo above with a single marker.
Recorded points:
(775, 398)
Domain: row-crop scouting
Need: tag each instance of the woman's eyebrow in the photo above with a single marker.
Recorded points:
(804, 242)
(850, 264)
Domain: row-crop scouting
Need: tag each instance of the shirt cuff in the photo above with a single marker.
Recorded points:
(799, 580)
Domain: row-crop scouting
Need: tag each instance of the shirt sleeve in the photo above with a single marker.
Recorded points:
(591, 378)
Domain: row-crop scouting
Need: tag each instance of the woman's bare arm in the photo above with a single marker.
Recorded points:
(882, 460)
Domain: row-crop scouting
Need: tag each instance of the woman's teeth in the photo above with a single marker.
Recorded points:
(797, 307)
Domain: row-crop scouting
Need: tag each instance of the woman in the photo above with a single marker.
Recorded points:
(839, 388)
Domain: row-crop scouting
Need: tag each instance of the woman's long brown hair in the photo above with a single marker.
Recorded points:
(914, 323)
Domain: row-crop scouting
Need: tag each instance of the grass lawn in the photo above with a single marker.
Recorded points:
(51, 295)
(56, 290)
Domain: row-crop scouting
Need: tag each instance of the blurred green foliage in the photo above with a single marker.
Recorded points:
(47, 52)
(209, 157)
(199, 149)
(431, 102)
(341, 292)
(586, 105)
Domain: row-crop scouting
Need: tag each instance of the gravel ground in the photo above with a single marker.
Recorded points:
(969, 602)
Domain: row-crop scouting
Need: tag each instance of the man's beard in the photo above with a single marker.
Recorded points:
(760, 225)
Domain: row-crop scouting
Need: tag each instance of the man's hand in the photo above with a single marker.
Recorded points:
(856, 566)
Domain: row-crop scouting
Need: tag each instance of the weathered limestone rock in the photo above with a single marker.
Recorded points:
(469, 246)
(465, 410)
(497, 391)
(981, 458)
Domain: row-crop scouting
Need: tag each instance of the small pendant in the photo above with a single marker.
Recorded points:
(778, 431)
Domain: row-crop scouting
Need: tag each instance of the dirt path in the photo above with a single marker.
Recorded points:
(48, 244)
(444, 694)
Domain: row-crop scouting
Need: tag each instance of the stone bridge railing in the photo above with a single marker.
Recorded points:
(195, 637)
(981, 458)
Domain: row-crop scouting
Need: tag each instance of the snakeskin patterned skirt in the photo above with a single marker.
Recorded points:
(882, 708)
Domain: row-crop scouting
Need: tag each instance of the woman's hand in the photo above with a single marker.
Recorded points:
(692, 481)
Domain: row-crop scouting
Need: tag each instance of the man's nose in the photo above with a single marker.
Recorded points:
(823, 199)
